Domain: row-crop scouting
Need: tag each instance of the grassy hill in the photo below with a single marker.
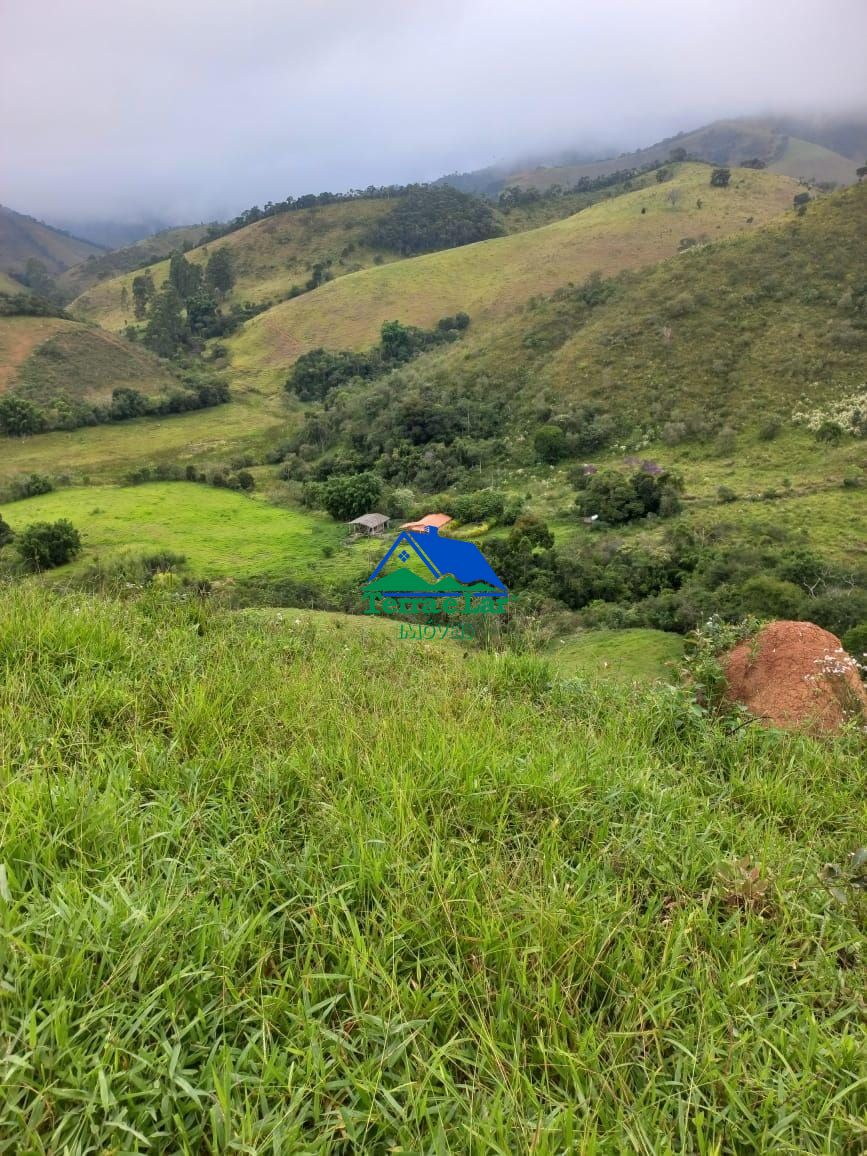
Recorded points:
(44, 357)
(779, 144)
(22, 238)
(493, 278)
(78, 279)
(274, 883)
(270, 256)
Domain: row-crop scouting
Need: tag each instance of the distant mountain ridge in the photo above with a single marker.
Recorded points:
(23, 238)
(810, 150)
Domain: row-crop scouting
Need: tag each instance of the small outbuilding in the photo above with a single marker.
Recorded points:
(370, 524)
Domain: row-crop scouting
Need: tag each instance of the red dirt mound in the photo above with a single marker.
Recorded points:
(797, 676)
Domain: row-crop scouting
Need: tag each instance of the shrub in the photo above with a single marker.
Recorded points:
(770, 429)
(855, 641)
(549, 442)
(45, 545)
(31, 487)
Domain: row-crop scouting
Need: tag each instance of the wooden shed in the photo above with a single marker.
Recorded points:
(370, 524)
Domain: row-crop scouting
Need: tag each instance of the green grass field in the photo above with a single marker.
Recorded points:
(492, 279)
(269, 886)
(623, 655)
(221, 533)
(109, 452)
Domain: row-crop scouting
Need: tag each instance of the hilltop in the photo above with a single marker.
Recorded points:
(24, 238)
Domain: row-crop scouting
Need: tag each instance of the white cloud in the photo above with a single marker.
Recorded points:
(120, 106)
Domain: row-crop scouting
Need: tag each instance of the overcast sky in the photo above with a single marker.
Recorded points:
(192, 109)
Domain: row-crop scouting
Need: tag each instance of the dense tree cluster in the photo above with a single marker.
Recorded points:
(316, 373)
(614, 497)
(345, 496)
(431, 217)
(20, 417)
(515, 196)
(677, 584)
(28, 305)
(186, 311)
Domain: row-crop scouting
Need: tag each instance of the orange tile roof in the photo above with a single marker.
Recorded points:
(435, 520)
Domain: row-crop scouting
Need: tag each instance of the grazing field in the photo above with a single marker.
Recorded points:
(109, 452)
(270, 886)
(221, 533)
(492, 279)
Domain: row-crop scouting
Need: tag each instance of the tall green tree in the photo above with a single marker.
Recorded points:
(142, 294)
(185, 277)
(220, 272)
(167, 330)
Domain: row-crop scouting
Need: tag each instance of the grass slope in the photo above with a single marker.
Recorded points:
(43, 357)
(493, 278)
(623, 655)
(270, 256)
(77, 280)
(23, 237)
(267, 888)
(109, 452)
(221, 533)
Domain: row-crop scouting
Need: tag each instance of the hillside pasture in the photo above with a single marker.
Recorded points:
(269, 257)
(221, 533)
(493, 278)
(273, 886)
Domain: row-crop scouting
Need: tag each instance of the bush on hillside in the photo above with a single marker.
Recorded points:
(45, 545)
(30, 486)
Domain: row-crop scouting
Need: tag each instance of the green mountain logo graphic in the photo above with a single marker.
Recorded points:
(405, 582)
